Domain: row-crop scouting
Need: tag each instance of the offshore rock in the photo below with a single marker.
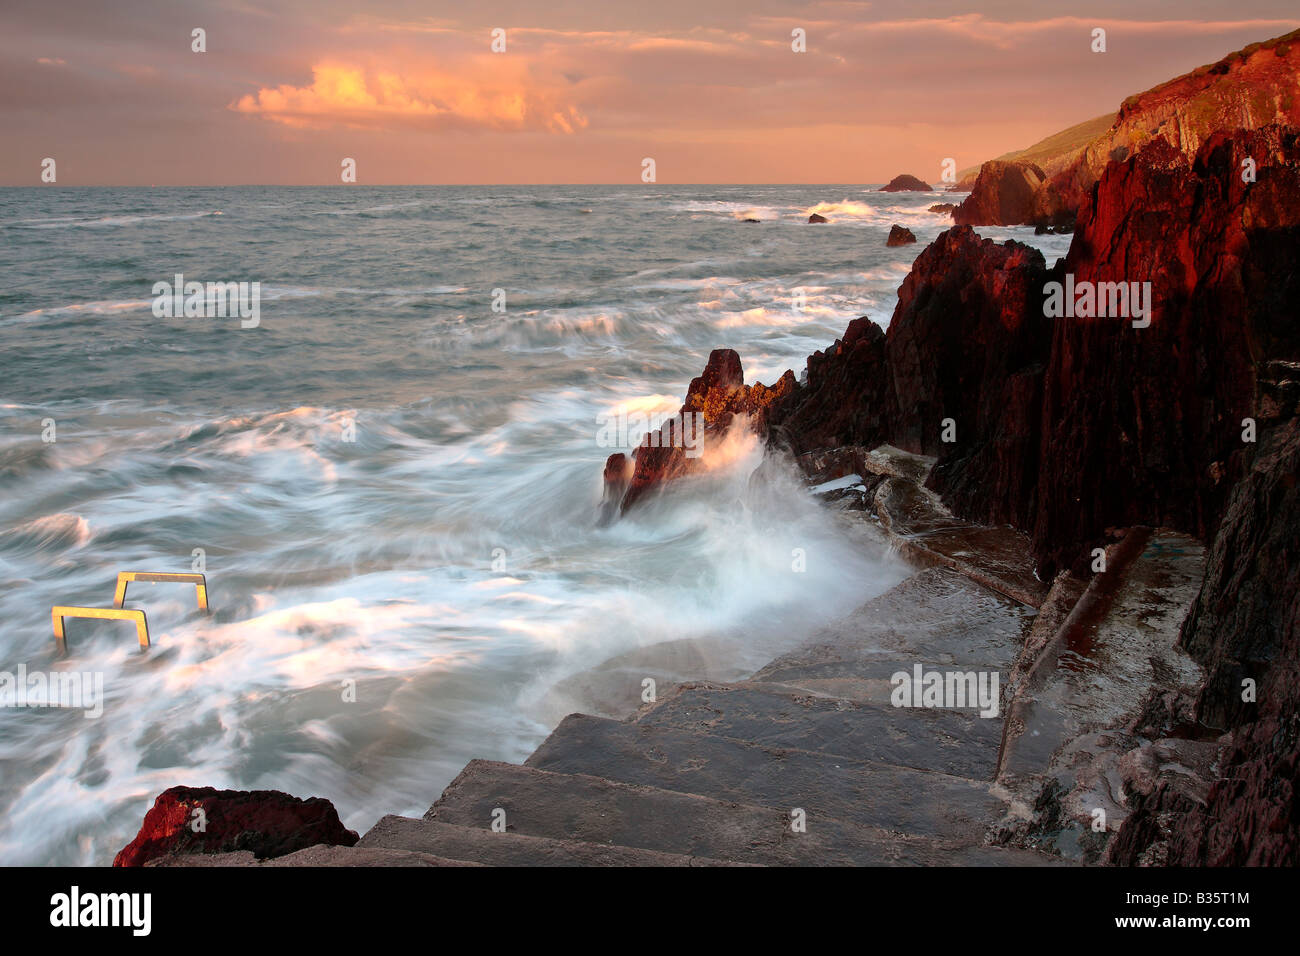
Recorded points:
(267, 823)
(1003, 194)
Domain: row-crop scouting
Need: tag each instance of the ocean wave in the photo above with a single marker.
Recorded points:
(49, 534)
(844, 209)
(735, 210)
(759, 316)
(547, 329)
(380, 210)
(101, 307)
(100, 222)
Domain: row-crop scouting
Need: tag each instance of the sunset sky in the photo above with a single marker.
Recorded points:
(711, 90)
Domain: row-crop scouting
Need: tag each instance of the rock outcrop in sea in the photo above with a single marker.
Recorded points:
(899, 236)
(907, 184)
(1003, 194)
(714, 398)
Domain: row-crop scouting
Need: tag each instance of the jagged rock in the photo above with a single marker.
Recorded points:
(899, 236)
(267, 823)
(907, 184)
(968, 342)
(1149, 419)
(718, 395)
(1245, 625)
(1003, 194)
(618, 474)
(817, 217)
(1248, 89)
(846, 400)
(943, 207)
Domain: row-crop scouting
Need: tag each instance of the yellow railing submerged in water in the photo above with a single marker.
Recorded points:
(120, 613)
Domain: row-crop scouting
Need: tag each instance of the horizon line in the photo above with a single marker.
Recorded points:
(54, 186)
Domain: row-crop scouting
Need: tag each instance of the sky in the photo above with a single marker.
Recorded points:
(711, 90)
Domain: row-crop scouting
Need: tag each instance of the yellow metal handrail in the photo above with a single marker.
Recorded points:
(159, 577)
(59, 612)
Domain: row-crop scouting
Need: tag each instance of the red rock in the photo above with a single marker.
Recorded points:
(968, 342)
(845, 400)
(266, 822)
(1003, 194)
(1249, 89)
(817, 217)
(1245, 625)
(1143, 425)
(618, 473)
(898, 236)
(716, 396)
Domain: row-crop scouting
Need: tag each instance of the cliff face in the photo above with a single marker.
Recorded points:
(1249, 89)
(1254, 87)
(1244, 627)
(1143, 425)
(969, 322)
(1003, 194)
(1069, 425)
(846, 400)
(1053, 153)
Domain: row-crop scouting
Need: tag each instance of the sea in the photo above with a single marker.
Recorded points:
(391, 477)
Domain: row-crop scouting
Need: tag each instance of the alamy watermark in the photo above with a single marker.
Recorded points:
(71, 689)
(946, 689)
(208, 300)
(131, 911)
(628, 429)
(1086, 300)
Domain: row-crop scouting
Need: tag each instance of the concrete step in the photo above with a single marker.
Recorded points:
(595, 810)
(481, 844)
(1101, 688)
(937, 618)
(1116, 648)
(319, 855)
(949, 741)
(926, 532)
(710, 764)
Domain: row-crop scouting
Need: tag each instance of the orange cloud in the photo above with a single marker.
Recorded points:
(344, 95)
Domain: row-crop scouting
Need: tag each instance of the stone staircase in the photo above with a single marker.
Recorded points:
(809, 761)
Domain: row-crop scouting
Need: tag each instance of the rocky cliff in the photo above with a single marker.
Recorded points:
(1150, 417)
(1172, 372)
(1003, 194)
(1245, 628)
(1068, 425)
(1251, 88)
